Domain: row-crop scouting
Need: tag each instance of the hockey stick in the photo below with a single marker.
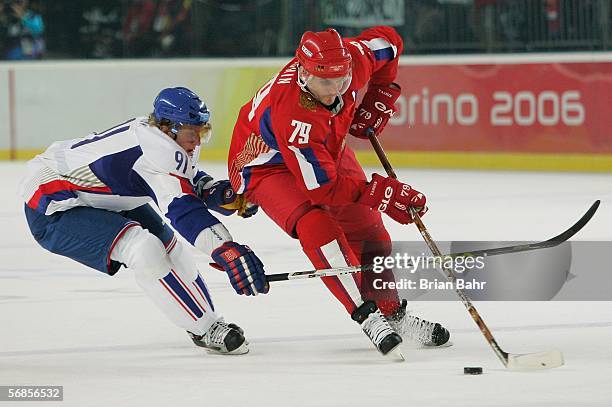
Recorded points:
(552, 242)
(545, 244)
(298, 275)
(529, 361)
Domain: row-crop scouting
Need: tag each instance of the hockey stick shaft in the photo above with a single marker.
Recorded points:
(503, 356)
(299, 275)
(555, 241)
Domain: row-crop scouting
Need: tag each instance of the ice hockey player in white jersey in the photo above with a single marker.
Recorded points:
(88, 199)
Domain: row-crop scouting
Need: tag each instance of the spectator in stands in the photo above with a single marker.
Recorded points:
(24, 31)
(137, 28)
(553, 18)
(502, 23)
(424, 24)
(100, 29)
(172, 27)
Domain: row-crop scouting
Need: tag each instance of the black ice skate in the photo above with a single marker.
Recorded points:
(222, 338)
(418, 330)
(375, 326)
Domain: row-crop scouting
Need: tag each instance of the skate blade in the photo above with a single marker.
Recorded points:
(446, 345)
(241, 350)
(396, 354)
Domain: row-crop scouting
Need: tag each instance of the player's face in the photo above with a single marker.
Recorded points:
(326, 89)
(190, 136)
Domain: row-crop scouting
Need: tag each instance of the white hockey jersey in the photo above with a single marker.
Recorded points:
(120, 169)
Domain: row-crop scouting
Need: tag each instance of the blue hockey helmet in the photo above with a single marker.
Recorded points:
(181, 106)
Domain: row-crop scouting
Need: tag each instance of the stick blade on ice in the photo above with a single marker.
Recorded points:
(535, 361)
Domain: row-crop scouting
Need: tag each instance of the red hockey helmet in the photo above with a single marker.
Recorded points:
(323, 54)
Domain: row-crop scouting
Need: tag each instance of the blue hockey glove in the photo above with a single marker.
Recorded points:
(243, 267)
(220, 197)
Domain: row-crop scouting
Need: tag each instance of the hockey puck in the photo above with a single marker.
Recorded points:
(472, 370)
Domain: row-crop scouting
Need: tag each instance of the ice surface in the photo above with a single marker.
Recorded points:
(99, 337)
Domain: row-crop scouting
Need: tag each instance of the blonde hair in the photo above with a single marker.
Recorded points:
(153, 121)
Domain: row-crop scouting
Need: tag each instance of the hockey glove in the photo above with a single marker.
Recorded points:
(243, 267)
(244, 208)
(377, 107)
(220, 197)
(392, 197)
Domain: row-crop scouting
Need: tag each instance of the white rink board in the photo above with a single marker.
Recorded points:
(56, 100)
(100, 338)
(4, 108)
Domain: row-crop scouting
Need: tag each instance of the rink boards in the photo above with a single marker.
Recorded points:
(532, 112)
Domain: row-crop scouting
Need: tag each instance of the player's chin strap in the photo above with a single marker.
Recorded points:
(531, 361)
(173, 131)
(301, 82)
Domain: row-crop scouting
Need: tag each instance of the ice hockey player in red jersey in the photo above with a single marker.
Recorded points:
(288, 155)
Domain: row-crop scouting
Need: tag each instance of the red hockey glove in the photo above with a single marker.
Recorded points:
(392, 197)
(377, 107)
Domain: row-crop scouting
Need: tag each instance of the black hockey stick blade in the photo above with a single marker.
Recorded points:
(552, 242)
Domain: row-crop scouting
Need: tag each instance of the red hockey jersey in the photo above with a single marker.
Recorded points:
(283, 127)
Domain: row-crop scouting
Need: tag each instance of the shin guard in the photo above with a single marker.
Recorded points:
(326, 246)
(173, 285)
